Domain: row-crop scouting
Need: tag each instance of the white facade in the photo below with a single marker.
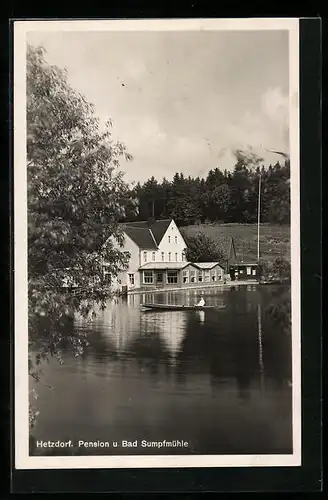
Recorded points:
(171, 248)
(131, 277)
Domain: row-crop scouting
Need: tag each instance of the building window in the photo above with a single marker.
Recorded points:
(192, 275)
(219, 276)
(249, 271)
(183, 257)
(172, 277)
(175, 239)
(159, 277)
(169, 239)
(213, 275)
(145, 256)
(131, 278)
(254, 272)
(185, 276)
(169, 256)
(148, 277)
(153, 256)
(207, 275)
(176, 257)
(200, 276)
(163, 256)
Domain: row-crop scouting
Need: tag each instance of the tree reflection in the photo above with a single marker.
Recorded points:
(237, 345)
(243, 342)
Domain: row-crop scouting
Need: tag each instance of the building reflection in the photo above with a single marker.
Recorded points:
(170, 327)
(237, 344)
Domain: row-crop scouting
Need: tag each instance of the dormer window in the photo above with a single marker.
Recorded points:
(145, 256)
(169, 239)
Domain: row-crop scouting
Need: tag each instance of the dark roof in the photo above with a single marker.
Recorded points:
(224, 243)
(155, 229)
(206, 265)
(141, 236)
(228, 244)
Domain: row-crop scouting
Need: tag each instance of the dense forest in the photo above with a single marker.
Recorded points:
(225, 197)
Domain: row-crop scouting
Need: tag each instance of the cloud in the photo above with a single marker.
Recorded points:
(134, 69)
(266, 128)
(182, 101)
(275, 106)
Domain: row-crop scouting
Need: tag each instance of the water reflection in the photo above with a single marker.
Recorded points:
(211, 377)
(259, 329)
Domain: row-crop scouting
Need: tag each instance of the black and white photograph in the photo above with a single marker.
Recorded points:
(157, 254)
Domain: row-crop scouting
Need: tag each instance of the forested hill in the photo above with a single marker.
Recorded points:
(225, 197)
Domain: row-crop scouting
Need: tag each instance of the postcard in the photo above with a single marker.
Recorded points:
(157, 243)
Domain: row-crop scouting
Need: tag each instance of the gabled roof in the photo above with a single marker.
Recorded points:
(159, 228)
(207, 265)
(146, 234)
(142, 237)
(226, 245)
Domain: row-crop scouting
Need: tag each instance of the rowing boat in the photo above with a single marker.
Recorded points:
(176, 307)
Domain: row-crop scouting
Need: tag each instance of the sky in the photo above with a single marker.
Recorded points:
(181, 101)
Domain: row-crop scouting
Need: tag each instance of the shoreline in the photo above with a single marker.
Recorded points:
(228, 284)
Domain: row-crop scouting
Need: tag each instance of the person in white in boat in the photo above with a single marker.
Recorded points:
(201, 303)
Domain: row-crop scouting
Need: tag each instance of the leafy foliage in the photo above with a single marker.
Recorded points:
(221, 197)
(274, 239)
(202, 248)
(278, 269)
(281, 268)
(76, 195)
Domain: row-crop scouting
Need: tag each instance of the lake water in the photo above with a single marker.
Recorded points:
(219, 380)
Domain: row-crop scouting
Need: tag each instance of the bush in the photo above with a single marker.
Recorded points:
(265, 269)
(279, 269)
(202, 248)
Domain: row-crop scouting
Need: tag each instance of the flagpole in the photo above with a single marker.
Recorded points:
(258, 219)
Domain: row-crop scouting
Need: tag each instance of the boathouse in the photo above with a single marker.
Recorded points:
(239, 265)
(243, 271)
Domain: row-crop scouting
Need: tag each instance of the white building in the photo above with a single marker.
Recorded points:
(156, 245)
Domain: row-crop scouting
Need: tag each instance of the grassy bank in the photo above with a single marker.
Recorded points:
(274, 239)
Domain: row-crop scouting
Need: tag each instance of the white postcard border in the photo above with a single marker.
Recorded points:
(21, 431)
